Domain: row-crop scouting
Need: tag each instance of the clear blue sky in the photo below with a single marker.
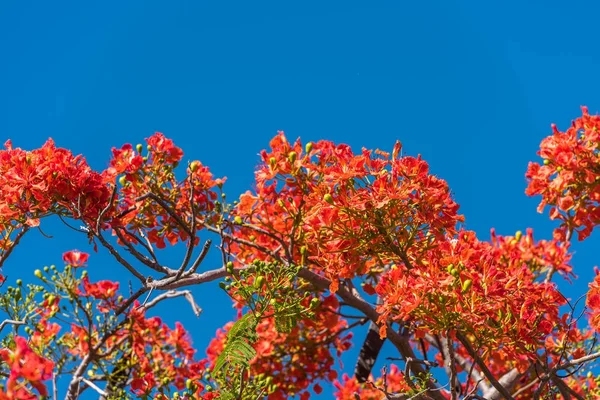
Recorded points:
(471, 86)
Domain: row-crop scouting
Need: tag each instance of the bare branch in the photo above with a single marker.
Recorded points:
(10, 322)
(93, 386)
(172, 294)
(14, 244)
(488, 374)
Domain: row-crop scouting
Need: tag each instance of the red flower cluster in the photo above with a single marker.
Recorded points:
(487, 289)
(354, 213)
(155, 174)
(569, 179)
(45, 181)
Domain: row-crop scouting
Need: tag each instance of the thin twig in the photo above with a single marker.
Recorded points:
(488, 374)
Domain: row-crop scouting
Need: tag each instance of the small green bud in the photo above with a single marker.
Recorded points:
(546, 161)
(189, 384)
(314, 303)
(259, 282)
(19, 282)
(238, 220)
(518, 235)
(194, 166)
(467, 285)
(308, 147)
(38, 273)
(292, 156)
(139, 147)
(223, 285)
(229, 267)
(272, 161)
(328, 198)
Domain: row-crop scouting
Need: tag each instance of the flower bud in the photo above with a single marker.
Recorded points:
(292, 156)
(194, 166)
(259, 282)
(38, 273)
(238, 220)
(314, 303)
(328, 198)
(518, 235)
(308, 147)
(467, 285)
(139, 147)
(229, 267)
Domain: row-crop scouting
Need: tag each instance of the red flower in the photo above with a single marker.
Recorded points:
(75, 258)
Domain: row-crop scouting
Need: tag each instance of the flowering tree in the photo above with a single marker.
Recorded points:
(304, 256)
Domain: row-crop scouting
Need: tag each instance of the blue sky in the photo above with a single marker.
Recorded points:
(472, 86)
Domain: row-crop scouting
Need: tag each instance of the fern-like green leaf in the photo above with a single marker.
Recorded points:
(238, 350)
